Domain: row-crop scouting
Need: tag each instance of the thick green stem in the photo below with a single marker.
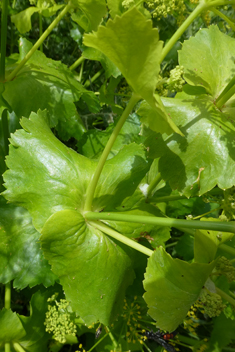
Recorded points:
(201, 7)
(192, 224)
(18, 347)
(40, 30)
(224, 17)
(3, 39)
(225, 296)
(153, 184)
(7, 347)
(77, 63)
(197, 11)
(135, 245)
(93, 78)
(227, 248)
(5, 129)
(225, 97)
(92, 186)
(39, 42)
(8, 295)
(230, 84)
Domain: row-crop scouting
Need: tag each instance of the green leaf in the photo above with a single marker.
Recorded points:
(204, 57)
(136, 54)
(22, 20)
(172, 286)
(222, 333)
(49, 84)
(55, 177)
(10, 326)
(84, 259)
(207, 242)
(36, 338)
(187, 166)
(89, 13)
(21, 258)
(93, 141)
(109, 67)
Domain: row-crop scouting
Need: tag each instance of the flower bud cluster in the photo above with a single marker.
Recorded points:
(58, 320)
(175, 81)
(163, 8)
(212, 303)
(225, 267)
(128, 3)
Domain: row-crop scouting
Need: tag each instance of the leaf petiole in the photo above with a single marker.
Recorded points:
(40, 41)
(171, 222)
(92, 186)
(104, 228)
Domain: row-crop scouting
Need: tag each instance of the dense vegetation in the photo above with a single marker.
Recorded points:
(117, 160)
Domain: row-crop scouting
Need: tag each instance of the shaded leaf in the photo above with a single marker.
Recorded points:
(89, 13)
(83, 258)
(21, 258)
(47, 84)
(16, 330)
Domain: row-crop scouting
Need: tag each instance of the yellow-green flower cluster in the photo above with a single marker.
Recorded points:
(212, 303)
(225, 267)
(58, 319)
(128, 3)
(175, 81)
(163, 8)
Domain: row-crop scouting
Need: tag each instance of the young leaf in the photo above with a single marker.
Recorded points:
(203, 58)
(89, 13)
(21, 258)
(84, 259)
(133, 46)
(172, 286)
(10, 326)
(36, 338)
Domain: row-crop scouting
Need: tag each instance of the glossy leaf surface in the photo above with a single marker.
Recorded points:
(17, 331)
(204, 158)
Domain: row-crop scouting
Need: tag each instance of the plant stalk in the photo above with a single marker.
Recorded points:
(196, 12)
(192, 224)
(225, 97)
(225, 296)
(39, 42)
(153, 184)
(93, 78)
(18, 347)
(224, 17)
(8, 295)
(92, 186)
(3, 39)
(77, 63)
(135, 245)
(5, 129)
(40, 30)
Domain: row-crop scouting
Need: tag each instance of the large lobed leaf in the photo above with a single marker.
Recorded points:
(51, 181)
